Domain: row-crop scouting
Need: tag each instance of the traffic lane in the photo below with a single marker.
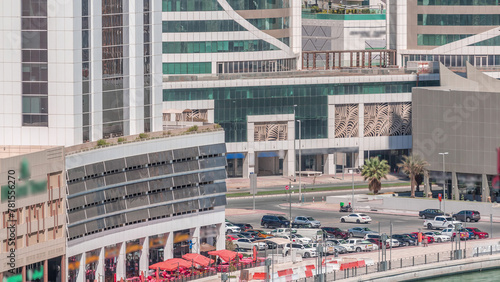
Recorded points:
(400, 223)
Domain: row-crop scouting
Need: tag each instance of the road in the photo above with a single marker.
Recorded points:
(401, 224)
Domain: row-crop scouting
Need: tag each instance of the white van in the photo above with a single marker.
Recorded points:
(282, 231)
(313, 233)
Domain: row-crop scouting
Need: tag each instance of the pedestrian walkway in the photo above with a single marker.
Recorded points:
(235, 184)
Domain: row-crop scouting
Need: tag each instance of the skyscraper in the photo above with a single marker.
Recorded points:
(78, 71)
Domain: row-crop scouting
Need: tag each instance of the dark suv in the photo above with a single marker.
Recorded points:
(430, 213)
(335, 232)
(404, 239)
(467, 215)
(274, 221)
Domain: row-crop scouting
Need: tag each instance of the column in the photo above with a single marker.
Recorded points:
(246, 166)
(121, 265)
(144, 260)
(221, 237)
(427, 187)
(454, 186)
(45, 272)
(64, 277)
(81, 270)
(168, 251)
(100, 266)
(23, 271)
(486, 189)
(196, 240)
(329, 164)
(250, 160)
(289, 164)
(361, 133)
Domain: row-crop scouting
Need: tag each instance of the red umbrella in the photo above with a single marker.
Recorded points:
(225, 255)
(171, 264)
(198, 259)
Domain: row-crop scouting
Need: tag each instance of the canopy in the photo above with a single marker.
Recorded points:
(171, 264)
(225, 255)
(278, 241)
(204, 247)
(198, 259)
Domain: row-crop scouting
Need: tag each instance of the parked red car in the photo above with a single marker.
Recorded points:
(478, 234)
(424, 237)
(232, 238)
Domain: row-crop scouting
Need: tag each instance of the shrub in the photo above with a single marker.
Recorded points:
(193, 128)
(143, 136)
(101, 142)
(121, 140)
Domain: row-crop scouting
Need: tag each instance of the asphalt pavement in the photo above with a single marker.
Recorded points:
(380, 222)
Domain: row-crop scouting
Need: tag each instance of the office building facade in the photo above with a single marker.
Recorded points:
(33, 205)
(135, 204)
(460, 120)
(357, 116)
(79, 71)
(450, 32)
(230, 36)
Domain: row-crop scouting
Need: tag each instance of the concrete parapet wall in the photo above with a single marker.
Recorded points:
(433, 270)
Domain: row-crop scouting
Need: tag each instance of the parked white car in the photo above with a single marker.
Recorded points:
(393, 242)
(372, 236)
(438, 237)
(282, 231)
(304, 250)
(356, 217)
(248, 244)
(452, 233)
(231, 228)
(303, 240)
(359, 245)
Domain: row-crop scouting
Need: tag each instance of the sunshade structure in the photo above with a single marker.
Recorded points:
(204, 247)
(171, 264)
(278, 241)
(225, 255)
(198, 259)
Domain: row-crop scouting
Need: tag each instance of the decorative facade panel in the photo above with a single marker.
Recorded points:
(346, 120)
(387, 119)
(271, 132)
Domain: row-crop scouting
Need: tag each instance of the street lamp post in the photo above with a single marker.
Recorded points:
(294, 150)
(444, 182)
(352, 198)
(300, 161)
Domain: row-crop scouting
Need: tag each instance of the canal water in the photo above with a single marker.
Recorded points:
(476, 276)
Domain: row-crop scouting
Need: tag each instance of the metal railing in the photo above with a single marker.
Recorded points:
(406, 262)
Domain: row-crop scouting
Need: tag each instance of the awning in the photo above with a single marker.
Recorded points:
(268, 154)
(233, 156)
(278, 241)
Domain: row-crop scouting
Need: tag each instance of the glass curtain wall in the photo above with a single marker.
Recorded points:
(115, 107)
(34, 63)
(147, 65)
(111, 255)
(86, 122)
(91, 263)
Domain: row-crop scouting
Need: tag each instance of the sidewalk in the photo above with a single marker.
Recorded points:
(236, 184)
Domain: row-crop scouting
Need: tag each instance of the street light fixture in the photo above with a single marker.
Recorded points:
(352, 197)
(444, 183)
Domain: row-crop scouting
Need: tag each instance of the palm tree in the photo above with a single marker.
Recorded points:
(373, 171)
(413, 166)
